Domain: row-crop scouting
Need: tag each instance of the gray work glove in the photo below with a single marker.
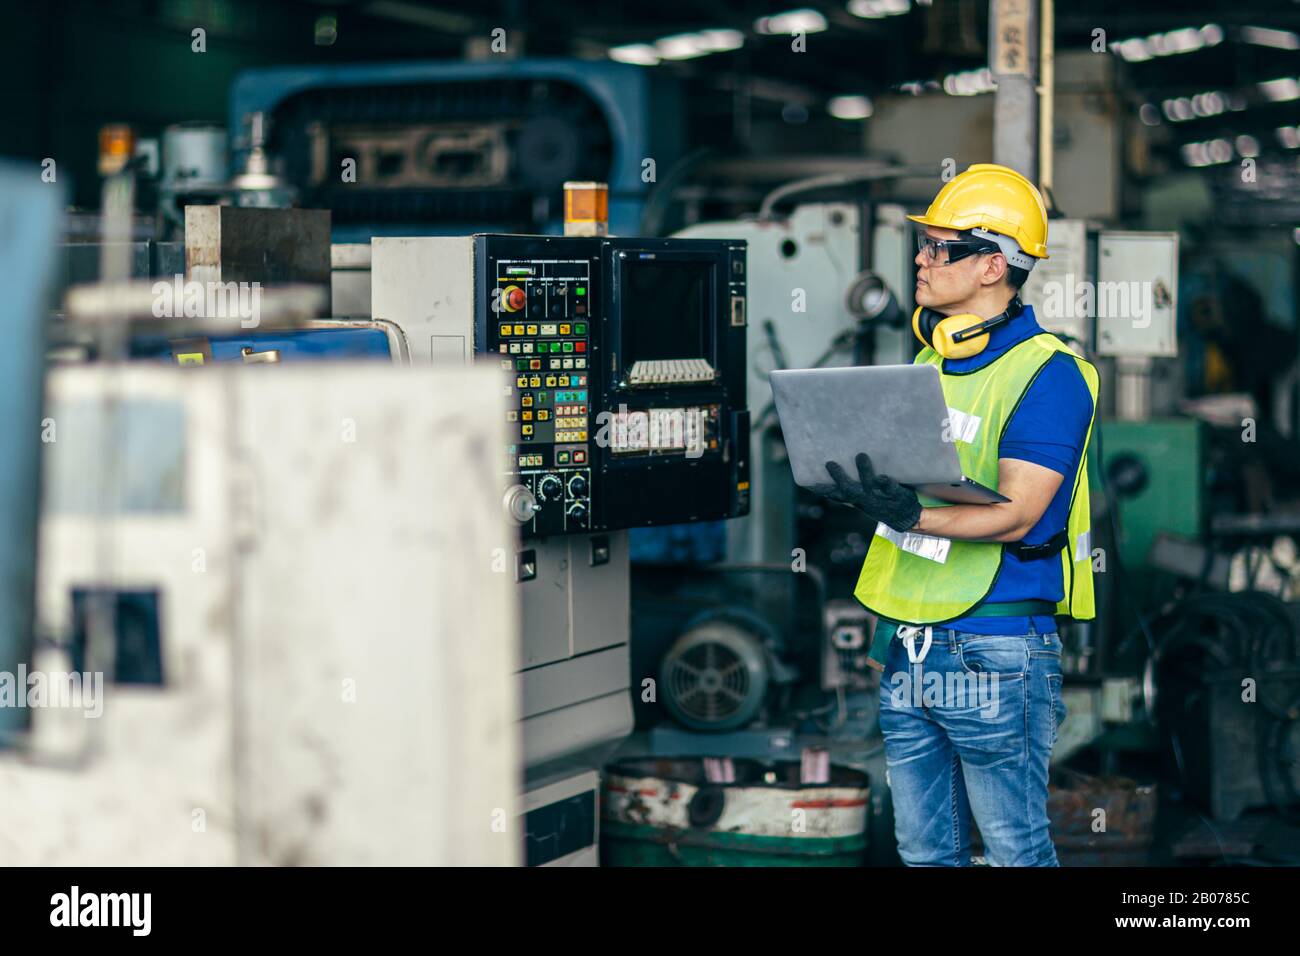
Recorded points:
(879, 497)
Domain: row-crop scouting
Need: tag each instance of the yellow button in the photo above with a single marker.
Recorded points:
(564, 330)
(532, 330)
(526, 401)
(519, 330)
(543, 415)
(550, 381)
(522, 381)
(564, 380)
(527, 416)
(505, 330)
(528, 429)
(535, 381)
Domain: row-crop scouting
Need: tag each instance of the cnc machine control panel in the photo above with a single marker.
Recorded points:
(624, 368)
(541, 321)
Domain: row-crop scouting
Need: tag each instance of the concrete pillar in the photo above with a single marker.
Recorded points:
(1014, 63)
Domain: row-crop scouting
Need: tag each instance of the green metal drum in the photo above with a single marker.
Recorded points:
(665, 812)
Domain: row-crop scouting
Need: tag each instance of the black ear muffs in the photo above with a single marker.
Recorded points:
(962, 335)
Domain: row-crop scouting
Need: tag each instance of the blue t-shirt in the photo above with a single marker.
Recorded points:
(1048, 428)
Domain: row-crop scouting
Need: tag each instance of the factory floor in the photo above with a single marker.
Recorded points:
(1181, 836)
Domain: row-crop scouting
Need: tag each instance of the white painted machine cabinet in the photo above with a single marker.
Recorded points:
(324, 652)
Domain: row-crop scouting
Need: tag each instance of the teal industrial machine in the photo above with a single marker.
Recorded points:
(30, 218)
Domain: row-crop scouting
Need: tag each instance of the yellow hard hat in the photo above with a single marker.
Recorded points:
(992, 198)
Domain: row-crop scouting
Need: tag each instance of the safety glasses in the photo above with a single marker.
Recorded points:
(944, 252)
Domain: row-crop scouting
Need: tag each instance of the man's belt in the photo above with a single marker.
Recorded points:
(1037, 552)
(1013, 609)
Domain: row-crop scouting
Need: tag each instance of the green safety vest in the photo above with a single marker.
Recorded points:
(902, 578)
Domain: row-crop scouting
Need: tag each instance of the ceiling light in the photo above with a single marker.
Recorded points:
(1263, 36)
(642, 54)
(969, 83)
(876, 9)
(681, 46)
(1283, 88)
(791, 22)
(850, 107)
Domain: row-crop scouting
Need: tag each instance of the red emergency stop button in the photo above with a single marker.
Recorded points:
(512, 297)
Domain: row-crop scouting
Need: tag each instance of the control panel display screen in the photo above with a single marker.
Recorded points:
(665, 310)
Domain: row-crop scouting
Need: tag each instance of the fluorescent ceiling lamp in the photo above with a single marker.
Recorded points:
(1281, 89)
(1209, 153)
(1135, 50)
(1182, 40)
(1185, 40)
(641, 54)
(969, 83)
(850, 107)
(681, 46)
(791, 22)
(1263, 36)
(720, 41)
(876, 9)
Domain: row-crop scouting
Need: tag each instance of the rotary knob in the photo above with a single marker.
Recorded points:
(578, 487)
(520, 504)
(578, 513)
(550, 488)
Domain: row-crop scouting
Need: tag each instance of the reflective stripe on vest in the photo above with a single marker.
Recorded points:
(920, 579)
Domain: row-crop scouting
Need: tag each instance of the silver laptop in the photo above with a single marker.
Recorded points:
(894, 413)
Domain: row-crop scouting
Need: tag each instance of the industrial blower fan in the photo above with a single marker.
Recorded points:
(716, 675)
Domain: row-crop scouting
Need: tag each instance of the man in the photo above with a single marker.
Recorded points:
(966, 595)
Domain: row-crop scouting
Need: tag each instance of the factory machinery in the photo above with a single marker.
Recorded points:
(247, 626)
(622, 360)
(619, 363)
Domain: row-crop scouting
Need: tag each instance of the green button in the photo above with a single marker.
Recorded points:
(521, 364)
(568, 346)
(581, 290)
(580, 328)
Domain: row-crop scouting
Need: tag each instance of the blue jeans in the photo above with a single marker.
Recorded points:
(969, 729)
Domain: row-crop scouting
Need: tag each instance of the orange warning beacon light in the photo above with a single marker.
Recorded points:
(116, 147)
(586, 209)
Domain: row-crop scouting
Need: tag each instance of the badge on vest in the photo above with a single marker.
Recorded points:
(962, 426)
(922, 545)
